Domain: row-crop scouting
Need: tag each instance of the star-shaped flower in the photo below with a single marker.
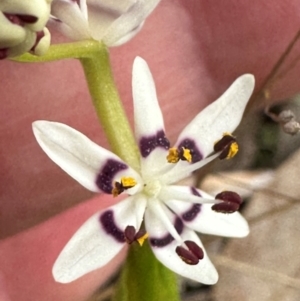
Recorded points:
(112, 21)
(171, 213)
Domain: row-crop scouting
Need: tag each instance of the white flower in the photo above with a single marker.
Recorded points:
(22, 27)
(171, 213)
(112, 21)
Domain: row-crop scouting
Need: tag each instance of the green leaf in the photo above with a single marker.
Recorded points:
(144, 278)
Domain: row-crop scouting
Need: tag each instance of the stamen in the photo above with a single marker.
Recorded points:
(192, 255)
(131, 235)
(126, 183)
(173, 156)
(141, 236)
(227, 146)
(181, 153)
(185, 154)
(231, 202)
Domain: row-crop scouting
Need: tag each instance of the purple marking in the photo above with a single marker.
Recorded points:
(108, 223)
(191, 145)
(162, 242)
(108, 172)
(192, 213)
(28, 18)
(195, 191)
(148, 144)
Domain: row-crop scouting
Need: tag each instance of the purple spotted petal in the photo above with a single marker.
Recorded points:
(201, 218)
(164, 246)
(96, 242)
(148, 119)
(223, 115)
(91, 165)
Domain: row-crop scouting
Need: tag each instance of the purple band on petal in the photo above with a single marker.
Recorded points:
(162, 242)
(108, 172)
(191, 145)
(148, 144)
(192, 213)
(108, 223)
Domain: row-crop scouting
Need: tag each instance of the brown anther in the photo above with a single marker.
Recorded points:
(227, 146)
(231, 202)
(187, 256)
(195, 249)
(117, 189)
(140, 233)
(129, 234)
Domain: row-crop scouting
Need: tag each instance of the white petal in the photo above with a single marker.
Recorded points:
(129, 21)
(201, 218)
(92, 246)
(91, 165)
(184, 193)
(223, 115)
(164, 250)
(148, 119)
(75, 25)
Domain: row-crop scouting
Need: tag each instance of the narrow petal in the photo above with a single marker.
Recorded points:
(74, 24)
(91, 165)
(163, 247)
(148, 119)
(223, 115)
(96, 242)
(129, 21)
(201, 218)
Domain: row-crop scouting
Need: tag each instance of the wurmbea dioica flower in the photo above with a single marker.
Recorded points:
(171, 213)
(22, 27)
(112, 21)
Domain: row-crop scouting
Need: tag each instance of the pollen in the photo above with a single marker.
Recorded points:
(128, 182)
(142, 239)
(119, 187)
(186, 154)
(227, 146)
(173, 156)
(233, 149)
(176, 154)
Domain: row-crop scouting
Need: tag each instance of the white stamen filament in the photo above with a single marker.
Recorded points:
(155, 206)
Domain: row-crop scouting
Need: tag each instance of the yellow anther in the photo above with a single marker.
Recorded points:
(234, 148)
(187, 154)
(173, 156)
(142, 239)
(128, 182)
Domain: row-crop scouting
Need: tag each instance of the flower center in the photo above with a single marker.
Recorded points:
(152, 188)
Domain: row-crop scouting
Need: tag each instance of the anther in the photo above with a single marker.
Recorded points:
(227, 146)
(231, 202)
(131, 235)
(126, 183)
(182, 153)
(192, 255)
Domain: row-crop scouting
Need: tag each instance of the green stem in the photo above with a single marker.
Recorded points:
(144, 278)
(94, 58)
(76, 50)
(108, 106)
